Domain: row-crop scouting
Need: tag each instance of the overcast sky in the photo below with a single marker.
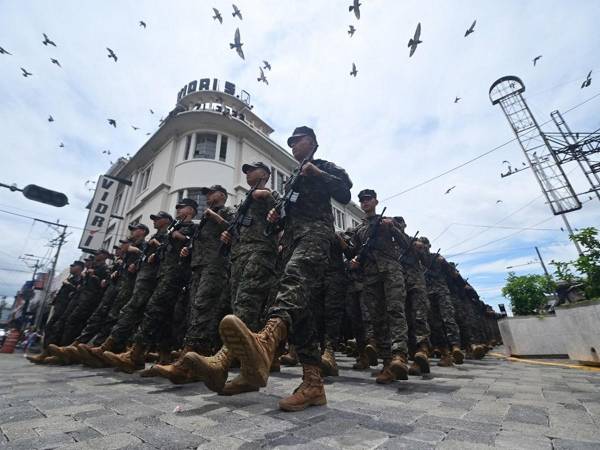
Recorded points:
(392, 127)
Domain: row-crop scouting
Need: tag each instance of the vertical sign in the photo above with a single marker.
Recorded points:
(100, 209)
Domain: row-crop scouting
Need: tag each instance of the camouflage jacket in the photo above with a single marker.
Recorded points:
(147, 270)
(385, 251)
(171, 248)
(207, 240)
(68, 288)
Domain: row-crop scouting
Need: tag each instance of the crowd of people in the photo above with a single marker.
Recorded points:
(267, 283)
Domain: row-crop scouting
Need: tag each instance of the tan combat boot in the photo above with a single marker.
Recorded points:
(399, 368)
(445, 358)
(329, 366)
(87, 358)
(362, 362)
(176, 372)
(421, 358)
(109, 345)
(238, 385)
(38, 359)
(457, 355)
(371, 350)
(290, 358)
(212, 370)
(386, 376)
(414, 370)
(311, 391)
(254, 350)
(61, 353)
(129, 361)
(478, 351)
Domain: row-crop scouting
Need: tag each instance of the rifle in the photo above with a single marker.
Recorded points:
(410, 246)
(239, 219)
(290, 197)
(370, 242)
(433, 260)
(175, 225)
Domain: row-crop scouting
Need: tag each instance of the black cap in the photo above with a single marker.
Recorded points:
(214, 188)
(78, 263)
(300, 132)
(424, 240)
(125, 241)
(161, 215)
(116, 247)
(367, 193)
(101, 251)
(255, 165)
(187, 202)
(400, 220)
(139, 226)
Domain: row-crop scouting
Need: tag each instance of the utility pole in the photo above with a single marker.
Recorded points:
(36, 266)
(568, 226)
(542, 261)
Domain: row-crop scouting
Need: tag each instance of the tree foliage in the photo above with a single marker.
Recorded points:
(527, 293)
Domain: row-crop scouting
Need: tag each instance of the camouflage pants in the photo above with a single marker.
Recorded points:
(181, 313)
(54, 326)
(444, 329)
(417, 307)
(354, 311)
(384, 295)
(96, 320)
(336, 284)
(305, 260)
(132, 313)
(83, 307)
(125, 291)
(207, 296)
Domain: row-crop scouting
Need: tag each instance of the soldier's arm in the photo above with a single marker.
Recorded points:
(337, 182)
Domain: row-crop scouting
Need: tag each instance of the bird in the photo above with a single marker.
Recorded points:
(266, 65)
(62, 145)
(134, 127)
(412, 43)
(111, 54)
(237, 44)
(236, 12)
(112, 122)
(562, 229)
(262, 76)
(142, 24)
(457, 99)
(88, 182)
(471, 29)
(449, 189)
(4, 51)
(499, 201)
(536, 59)
(25, 73)
(354, 71)
(587, 81)
(151, 112)
(47, 41)
(217, 15)
(505, 162)
(355, 6)
(148, 134)
(106, 152)
(351, 30)
(50, 119)
(55, 61)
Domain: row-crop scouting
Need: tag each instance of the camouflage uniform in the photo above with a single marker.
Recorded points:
(384, 292)
(334, 295)
(465, 317)
(209, 280)
(306, 243)
(96, 320)
(60, 302)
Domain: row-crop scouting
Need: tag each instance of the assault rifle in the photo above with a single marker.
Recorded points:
(175, 225)
(290, 197)
(409, 249)
(369, 244)
(432, 262)
(240, 219)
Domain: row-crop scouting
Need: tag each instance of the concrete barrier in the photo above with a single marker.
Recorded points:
(580, 323)
(527, 336)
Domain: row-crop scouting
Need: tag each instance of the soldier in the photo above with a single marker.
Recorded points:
(209, 280)
(155, 325)
(308, 230)
(253, 256)
(54, 326)
(384, 292)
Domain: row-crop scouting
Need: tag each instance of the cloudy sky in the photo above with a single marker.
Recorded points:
(393, 127)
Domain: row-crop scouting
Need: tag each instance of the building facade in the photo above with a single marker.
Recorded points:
(205, 140)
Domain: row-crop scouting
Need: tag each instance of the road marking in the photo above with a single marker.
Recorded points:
(544, 363)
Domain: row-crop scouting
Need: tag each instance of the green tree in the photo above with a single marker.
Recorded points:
(589, 262)
(527, 293)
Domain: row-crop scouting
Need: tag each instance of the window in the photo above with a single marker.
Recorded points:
(200, 198)
(179, 196)
(339, 219)
(206, 145)
(136, 220)
(117, 203)
(106, 244)
(355, 223)
(144, 179)
(188, 143)
(223, 149)
(280, 180)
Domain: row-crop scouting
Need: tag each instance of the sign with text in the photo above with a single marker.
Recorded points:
(100, 209)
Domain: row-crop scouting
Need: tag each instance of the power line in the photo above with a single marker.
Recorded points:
(7, 269)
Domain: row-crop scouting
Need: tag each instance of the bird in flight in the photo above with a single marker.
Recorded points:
(88, 182)
(262, 76)
(499, 201)
(25, 73)
(266, 65)
(50, 119)
(412, 43)
(236, 12)
(355, 6)
(106, 152)
(587, 81)
(112, 122)
(217, 15)
(135, 128)
(142, 24)
(55, 61)
(471, 29)
(449, 189)
(237, 43)
(536, 59)
(4, 52)
(151, 112)
(351, 30)
(148, 134)
(47, 41)
(111, 54)
(62, 145)
(457, 99)
(354, 71)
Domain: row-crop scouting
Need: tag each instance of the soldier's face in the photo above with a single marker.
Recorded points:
(161, 224)
(75, 270)
(185, 212)
(215, 198)
(368, 204)
(301, 147)
(255, 176)
(138, 234)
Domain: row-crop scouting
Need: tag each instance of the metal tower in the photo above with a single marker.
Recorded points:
(507, 91)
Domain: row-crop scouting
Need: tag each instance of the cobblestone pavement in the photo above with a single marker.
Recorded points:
(488, 403)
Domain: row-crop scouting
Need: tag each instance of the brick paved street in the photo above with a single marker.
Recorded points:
(489, 403)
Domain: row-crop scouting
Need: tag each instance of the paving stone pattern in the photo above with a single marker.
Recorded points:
(482, 404)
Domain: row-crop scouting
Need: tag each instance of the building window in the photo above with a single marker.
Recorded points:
(355, 223)
(106, 244)
(339, 219)
(223, 149)
(117, 204)
(144, 179)
(206, 146)
(188, 143)
(200, 198)
(280, 180)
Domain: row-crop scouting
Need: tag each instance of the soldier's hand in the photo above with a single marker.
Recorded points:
(261, 194)
(132, 268)
(309, 169)
(273, 216)
(210, 214)
(114, 275)
(226, 237)
(354, 264)
(154, 242)
(152, 258)
(387, 221)
(103, 284)
(342, 241)
(185, 252)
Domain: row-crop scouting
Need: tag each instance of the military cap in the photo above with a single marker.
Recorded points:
(255, 165)
(116, 247)
(187, 202)
(78, 263)
(125, 241)
(424, 240)
(139, 226)
(214, 188)
(400, 220)
(367, 193)
(301, 132)
(101, 251)
(161, 215)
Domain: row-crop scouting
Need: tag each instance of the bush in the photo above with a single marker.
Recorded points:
(527, 293)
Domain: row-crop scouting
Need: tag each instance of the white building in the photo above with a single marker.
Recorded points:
(205, 140)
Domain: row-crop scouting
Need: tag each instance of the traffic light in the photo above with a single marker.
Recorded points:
(43, 195)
